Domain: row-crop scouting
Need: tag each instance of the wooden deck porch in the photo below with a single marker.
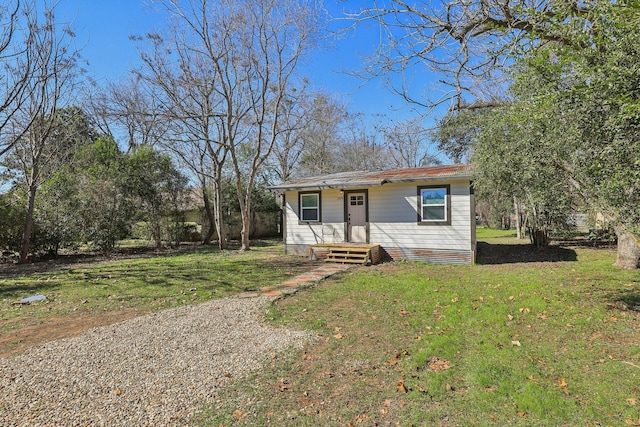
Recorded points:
(347, 253)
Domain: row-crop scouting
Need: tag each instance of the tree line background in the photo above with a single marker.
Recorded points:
(542, 96)
(217, 105)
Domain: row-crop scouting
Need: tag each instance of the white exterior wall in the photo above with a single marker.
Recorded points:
(331, 230)
(393, 218)
(393, 223)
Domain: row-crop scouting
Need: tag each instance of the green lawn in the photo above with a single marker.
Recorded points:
(523, 338)
(144, 284)
(534, 340)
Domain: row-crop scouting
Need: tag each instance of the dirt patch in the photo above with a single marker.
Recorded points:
(17, 341)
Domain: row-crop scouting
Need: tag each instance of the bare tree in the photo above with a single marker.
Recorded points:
(309, 140)
(289, 147)
(16, 58)
(408, 144)
(251, 51)
(322, 136)
(131, 108)
(465, 43)
(361, 146)
(180, 70)
(52, 61)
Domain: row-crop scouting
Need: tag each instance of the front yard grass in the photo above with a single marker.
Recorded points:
(522, 342)
(101, 291)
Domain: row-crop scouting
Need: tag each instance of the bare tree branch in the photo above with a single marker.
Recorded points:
(467, 42)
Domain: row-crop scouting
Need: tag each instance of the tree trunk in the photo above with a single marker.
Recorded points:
(539, 238)
(211, 221)
(628, 249)
(246, 231)
(218, 218)
(245, 214)
(516, 207)
(28, 225)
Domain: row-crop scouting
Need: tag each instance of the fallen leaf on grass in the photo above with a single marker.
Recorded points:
(563, 386)
(632, 401)
(402, 353)
(401, 387)
(307, 356)
(282, 387)
(632, 423)
(437, 364)
(305, 403)
(338, 336)
(516, 343)
(384, 410)
(522, 414)
(238, 414)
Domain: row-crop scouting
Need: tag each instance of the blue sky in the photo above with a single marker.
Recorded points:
(103, 28)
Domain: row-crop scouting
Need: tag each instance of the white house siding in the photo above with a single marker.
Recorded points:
(298, 236)
(393, 224)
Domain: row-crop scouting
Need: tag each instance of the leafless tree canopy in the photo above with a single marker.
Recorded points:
(16, 62)
(45, 67)
(226, 75)
(466, 42)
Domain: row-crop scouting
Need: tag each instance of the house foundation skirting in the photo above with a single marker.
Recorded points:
(436, 256)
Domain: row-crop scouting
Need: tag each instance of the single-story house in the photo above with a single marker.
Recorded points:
(425, 213)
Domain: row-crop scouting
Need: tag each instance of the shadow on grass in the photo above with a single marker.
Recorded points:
(490, 253)
(153, 273)
(630, 299)
(22, 290)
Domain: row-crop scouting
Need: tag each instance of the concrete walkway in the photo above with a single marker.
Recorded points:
(301, 281)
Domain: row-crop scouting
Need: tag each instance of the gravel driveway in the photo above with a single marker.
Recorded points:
(153, 370)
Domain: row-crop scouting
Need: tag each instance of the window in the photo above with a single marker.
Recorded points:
(310, 207)
(434, 205)
(356, 200)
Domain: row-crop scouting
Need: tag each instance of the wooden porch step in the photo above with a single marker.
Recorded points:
(349, 255)
(346, 261)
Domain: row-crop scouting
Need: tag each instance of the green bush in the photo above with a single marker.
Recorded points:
(140, 230)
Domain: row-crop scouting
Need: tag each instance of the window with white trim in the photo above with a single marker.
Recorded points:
(310, 207)
(434, 205)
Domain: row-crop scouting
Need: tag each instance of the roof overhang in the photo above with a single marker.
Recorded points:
(351, 180)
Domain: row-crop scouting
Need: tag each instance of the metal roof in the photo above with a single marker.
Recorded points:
(345, 180)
